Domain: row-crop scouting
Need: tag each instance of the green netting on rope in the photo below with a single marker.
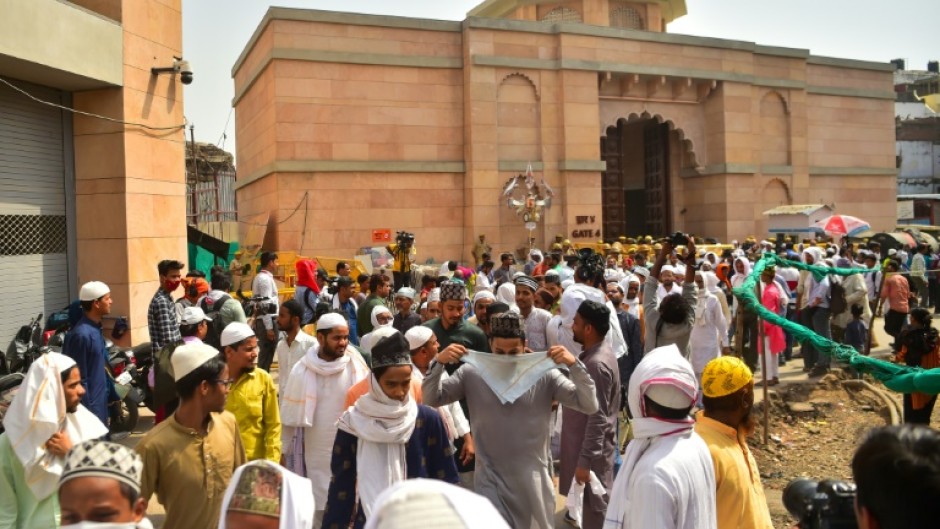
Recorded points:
(900, 378)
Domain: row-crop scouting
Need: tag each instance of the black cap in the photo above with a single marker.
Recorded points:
(391, 351)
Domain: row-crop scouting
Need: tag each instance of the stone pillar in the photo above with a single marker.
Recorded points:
(130, 181)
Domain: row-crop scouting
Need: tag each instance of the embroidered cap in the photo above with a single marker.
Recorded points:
(453, 291)
(103, 459)
(391, 350)
(418, 336)
(526, 281)
(258, 490)
(507, 325)
(725, 375)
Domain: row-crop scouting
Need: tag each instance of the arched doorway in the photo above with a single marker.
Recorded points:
(635, 186)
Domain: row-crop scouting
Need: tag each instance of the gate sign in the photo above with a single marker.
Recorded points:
(382, 235)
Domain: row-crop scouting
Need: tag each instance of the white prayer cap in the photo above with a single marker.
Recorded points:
(93, 290)
(235, 332)
(331, 320)
(567, 283)
(433, 503)
(418, 336)
(668, 268)
(193, 315)
(552, 272)
(435, 295)
(483, 294)
(405, 292)
(189, 357)
(423, 306)
(892, 251)
(641, 271)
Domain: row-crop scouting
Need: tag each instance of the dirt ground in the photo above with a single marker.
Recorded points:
(814, 430)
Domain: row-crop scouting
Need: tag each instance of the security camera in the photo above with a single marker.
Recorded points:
(186, 72)
(179, 66)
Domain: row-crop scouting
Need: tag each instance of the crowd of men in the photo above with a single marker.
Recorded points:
(611, 379)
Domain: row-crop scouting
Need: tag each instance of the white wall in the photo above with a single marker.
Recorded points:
(917, 159)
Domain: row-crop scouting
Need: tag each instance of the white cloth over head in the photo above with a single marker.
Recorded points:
(433, 503)
(300, 395)
(559, 328)
(507, 294)
(383, 426)
(510, 376)
(37, 412)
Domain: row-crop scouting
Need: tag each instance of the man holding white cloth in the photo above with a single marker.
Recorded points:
(512, 390)
(312, 402)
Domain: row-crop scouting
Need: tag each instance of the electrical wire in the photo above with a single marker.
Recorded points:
(303, 202)
(89, 114)
(224, 136)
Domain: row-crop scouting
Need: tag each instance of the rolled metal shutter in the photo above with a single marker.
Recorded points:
(34, 263)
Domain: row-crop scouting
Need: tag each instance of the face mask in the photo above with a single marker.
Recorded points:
(172, 285)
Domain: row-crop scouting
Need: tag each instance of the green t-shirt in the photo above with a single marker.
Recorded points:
(466, 334)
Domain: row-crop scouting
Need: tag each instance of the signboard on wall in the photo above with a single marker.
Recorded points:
(382, 236)
(905, 209)
(585, 225)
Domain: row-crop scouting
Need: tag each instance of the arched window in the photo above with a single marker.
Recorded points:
(562, 14)
(626, 17)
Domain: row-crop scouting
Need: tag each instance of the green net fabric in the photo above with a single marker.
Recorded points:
(897, 377)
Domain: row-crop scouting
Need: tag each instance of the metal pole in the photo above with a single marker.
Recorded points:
(763, 366)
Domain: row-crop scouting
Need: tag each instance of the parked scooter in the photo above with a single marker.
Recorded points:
(23, 349)
(124, 410)
(9, 385)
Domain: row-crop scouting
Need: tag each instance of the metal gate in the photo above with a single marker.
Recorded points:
(34, 260)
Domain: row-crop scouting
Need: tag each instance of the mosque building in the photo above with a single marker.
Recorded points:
(349, 125)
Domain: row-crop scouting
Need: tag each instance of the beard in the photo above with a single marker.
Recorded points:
(749, 422)
(72, 408)
(332, 353)
(247, 369)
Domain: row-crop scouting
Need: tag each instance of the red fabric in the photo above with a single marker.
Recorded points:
(770, 299)
(307, 274)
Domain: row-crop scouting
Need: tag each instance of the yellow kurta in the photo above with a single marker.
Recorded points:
(253, 402)
(740, 495)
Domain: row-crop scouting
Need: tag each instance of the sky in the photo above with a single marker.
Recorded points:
(216, 31)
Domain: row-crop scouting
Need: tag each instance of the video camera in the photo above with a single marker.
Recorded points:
(404, 239)
(678, 239)
(827, 504)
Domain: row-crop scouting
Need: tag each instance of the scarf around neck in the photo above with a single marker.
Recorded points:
(300, 396)
(383, 426)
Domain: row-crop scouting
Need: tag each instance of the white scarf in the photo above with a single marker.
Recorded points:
(299, 402)
(296, 497)
(571, 299)
(432, 500)
(510, 376)
(664, 365)
(383, 426)
(36, 413)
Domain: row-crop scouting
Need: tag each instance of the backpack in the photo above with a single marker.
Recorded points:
(164, 390)
(837, 302)
(216, 326)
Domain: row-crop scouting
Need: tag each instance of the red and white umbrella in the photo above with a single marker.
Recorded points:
(844, 225)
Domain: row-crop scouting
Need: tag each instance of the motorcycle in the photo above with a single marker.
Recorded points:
(23, 349)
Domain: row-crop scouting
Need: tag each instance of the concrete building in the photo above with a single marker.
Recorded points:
(918, 129)
(417, 124)
(84, 198)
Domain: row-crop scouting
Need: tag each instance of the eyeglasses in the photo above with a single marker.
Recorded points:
(383, 319)
(227, 382)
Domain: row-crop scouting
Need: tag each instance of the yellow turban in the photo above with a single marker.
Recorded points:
(725, 375)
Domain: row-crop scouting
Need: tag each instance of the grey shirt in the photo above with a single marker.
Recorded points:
(669, 333)
(512, 461)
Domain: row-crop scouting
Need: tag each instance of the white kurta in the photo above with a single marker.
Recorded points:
(709, 333)
(673, 485)
(536, 324)
(319, 438)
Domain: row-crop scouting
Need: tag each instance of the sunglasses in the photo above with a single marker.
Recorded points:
(227, 382)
